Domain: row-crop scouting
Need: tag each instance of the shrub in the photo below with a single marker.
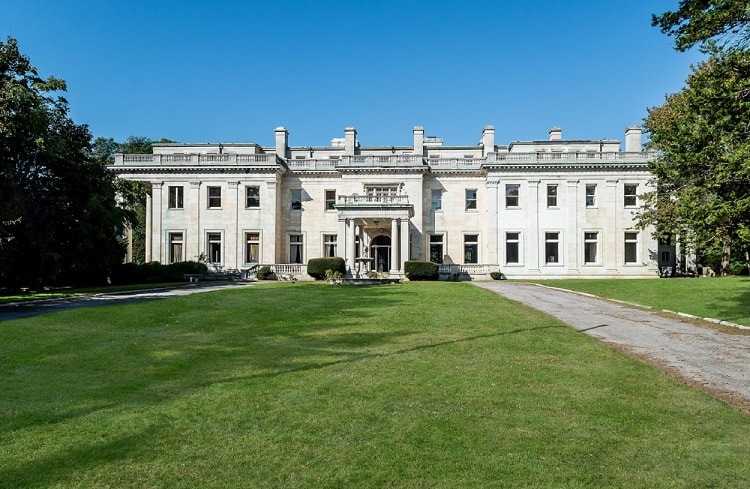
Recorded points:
(496, 275)
(317, 267)
(264, 273)
(154, 272)
(421, 270)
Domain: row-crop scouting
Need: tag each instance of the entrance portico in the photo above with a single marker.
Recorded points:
(375, 231)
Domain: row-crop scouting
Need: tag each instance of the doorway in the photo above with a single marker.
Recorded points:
(380, 250)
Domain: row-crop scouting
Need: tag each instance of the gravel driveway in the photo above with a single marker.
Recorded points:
(713, 360)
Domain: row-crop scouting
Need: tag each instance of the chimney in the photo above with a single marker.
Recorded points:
(282, 142)
(488, 139)
(633, 139)
(419, 141)
(555, 134)
(350, 141)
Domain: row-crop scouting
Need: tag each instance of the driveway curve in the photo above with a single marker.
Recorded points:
(714, 361)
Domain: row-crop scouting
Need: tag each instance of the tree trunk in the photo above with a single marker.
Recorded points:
(726, 253)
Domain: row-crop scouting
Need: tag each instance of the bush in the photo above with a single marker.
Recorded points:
(264, 273)
(421, 270)
(155, 272)
(496, 275)
(317, 267)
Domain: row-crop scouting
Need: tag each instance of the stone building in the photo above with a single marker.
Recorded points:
(547, 208)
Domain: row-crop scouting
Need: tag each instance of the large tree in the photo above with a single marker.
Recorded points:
(702, 138)
(707, 23)
(59, 220)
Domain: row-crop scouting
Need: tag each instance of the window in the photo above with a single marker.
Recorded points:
(214, 247)
(630, 195)
(214, 197)
(551, 195)
(252, 247)
(590, 247)
(551, 244)
(252, 197)
(590, 195)
(437, 200)
(295, 248)
(631, 247)
(511, 196)
(511, 247)
(471, 248)
(436, 248)
(296, 199)
(329, 245)
(330, 200)
(175, 246)
(471, 199)
(176, 197)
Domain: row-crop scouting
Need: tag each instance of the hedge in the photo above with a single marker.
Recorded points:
(317, 267)
(154, 272)
(421, 270)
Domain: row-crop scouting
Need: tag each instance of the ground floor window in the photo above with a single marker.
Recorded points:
(295, 248)
(551, 247)
(631, 247)
(176, 248)
(214, 247)
(511, 247)
(471, 248)
(329, 245)
(252, 247)
(590, 247)
(436, 248)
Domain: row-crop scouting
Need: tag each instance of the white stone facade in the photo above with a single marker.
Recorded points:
(548, 208)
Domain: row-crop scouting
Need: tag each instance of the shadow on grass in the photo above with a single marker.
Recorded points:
(735, 305)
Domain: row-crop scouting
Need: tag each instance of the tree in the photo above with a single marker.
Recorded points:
(702, 138)
(708, 23)
(59, 220)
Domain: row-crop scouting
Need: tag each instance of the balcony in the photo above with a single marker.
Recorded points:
(192, 159)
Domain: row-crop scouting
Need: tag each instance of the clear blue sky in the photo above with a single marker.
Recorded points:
(231, 71)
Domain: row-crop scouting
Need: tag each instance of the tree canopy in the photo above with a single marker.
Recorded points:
(707, 23)
(59, 218)
(702, 138)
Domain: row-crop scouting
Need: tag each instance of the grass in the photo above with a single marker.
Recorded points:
(725, 298)
(434, 385)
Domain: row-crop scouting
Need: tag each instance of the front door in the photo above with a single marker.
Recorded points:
(381, 251)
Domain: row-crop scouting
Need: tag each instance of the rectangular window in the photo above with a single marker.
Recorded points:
(437, 200)
(551, 195)
(630, 195)
(511, 247)
(436, 248)
(296, 199)
(252, 197)
(590, 194)
(176, 197)
(252, 247)
(631, 247)
(295, 248)
(590, 247)
(214, 247)
(214, 197)
(551, 247)
(471, 199)
(471, 248)
(175, 247)
(329, 245)
(511, 196)
(330, 200)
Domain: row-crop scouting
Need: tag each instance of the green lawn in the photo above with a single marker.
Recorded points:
(418, 385)
(726, 298)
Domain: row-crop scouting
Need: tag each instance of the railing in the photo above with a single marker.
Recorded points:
(312, 164)
(390, 161)
(194, 159)
(576, 157)
(466, 269)
(456, 163)
(294, 269)
(373, 199)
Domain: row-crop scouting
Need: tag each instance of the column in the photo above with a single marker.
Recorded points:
(149, 211)
(533, 226)
(194, 240)
(350, 246)
(571, 230)
(232, 244)
(492, 237)
(394, 247)
(405, 246)
(156, 238)
(611, 232)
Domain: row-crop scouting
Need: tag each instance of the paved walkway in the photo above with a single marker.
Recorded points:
(715, 361)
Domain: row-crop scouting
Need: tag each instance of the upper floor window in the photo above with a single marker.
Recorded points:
(296, 199)
(176, 200)
(551, 195)
(630, 195)
(252, 196)
(511, 196)
(214, 197)
(330, 200)
(437, 199)
(471, 199)
(590, 194)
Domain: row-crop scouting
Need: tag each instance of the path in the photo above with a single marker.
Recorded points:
(714, 361)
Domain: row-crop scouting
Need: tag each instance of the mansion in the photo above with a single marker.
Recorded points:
(530, 209)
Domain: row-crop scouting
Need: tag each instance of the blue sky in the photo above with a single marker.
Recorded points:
(232, 71)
